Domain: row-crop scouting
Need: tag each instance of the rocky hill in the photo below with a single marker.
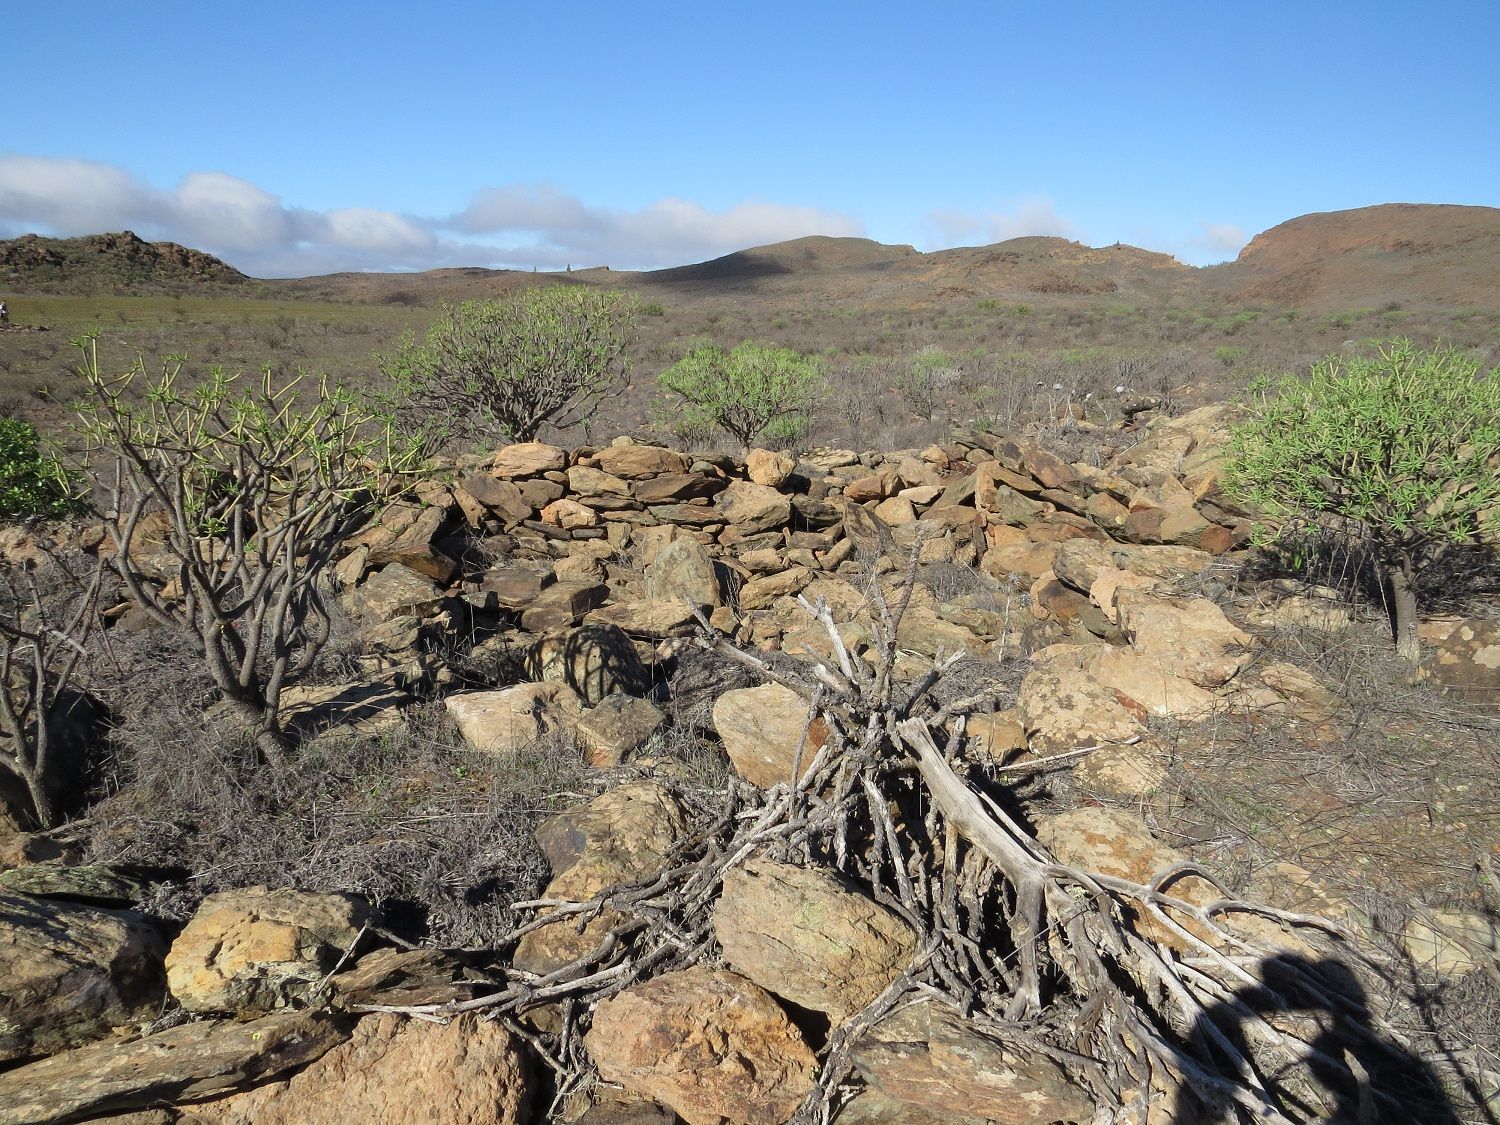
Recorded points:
(1396, 252)
(113, 263)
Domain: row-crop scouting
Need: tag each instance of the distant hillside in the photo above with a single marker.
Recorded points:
(816, 254)
(1409, 252)
(1423, 255)
(111, 263)
(429, 287)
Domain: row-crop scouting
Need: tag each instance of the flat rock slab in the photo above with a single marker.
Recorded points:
(69, 973)
(184, 1063)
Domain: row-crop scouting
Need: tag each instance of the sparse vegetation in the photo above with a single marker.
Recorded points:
(747, 391)
(1399, 450)
(508, 367)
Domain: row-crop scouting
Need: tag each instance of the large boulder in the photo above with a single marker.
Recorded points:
(511, 719)
(710, 1044)
(1063, 707)
(762, 727)
(683, 571)
(809, 937)
(753, 508)
(255, 949)
(181, 1064)
(929, 1058)
(768, 467)
(623, 834)
(69, 973)
(478, 1075)
(617, 727)
(1189, 637)
(1465, 658)
(594, 660)
(394, 591)
(632, 462)
(527, 459)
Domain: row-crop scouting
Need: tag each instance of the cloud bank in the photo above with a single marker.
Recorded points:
(1031, 215)
(520, 225)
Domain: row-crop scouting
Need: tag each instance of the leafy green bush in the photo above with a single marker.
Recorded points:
(1398, 451)
(747, 391)
(32, 482)
(509, 366)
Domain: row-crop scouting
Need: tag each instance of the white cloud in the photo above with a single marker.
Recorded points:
(514, 225)
(1030, 215)
(1218, 240)
(560, 229)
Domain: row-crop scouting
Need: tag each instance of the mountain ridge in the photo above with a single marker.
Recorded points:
(1436, 253)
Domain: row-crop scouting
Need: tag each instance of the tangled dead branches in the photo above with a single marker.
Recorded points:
(1129, 986)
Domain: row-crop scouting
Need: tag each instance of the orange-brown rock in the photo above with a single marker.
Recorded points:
(393, 1071)
(255, 949)
(710, 1044)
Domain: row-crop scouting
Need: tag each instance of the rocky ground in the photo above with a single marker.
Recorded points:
(1102, 664)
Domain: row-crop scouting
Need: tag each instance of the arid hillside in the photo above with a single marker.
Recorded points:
(1033, 329)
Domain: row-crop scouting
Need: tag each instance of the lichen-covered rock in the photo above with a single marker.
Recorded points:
(1189, 637)
(622, 834)
(809, 937)
(526, 459)
(256, 949)
(753, 508)
(927, 1057)
(69, 973)
(710, 1044)
(683, 571)
(593, 660)
(1062, 707)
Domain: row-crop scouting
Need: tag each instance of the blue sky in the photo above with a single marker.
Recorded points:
(299, 138)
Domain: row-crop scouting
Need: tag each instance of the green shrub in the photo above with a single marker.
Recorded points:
(746, 391)
(509, 366)
(1398, 451)
(32, 482)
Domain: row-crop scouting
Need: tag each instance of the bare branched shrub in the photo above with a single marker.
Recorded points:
(44, 629)
(252, 491)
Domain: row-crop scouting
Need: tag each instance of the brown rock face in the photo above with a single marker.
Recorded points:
(1063, 707)
(184, 1063)
(70, 973)
(762, 728)
(928, 1058)
(254, 949)
(1466, 659)
(594, 660)
(683, 571)
(709, 1044)
(511, 719)
(470, 1071)
(810, 938)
